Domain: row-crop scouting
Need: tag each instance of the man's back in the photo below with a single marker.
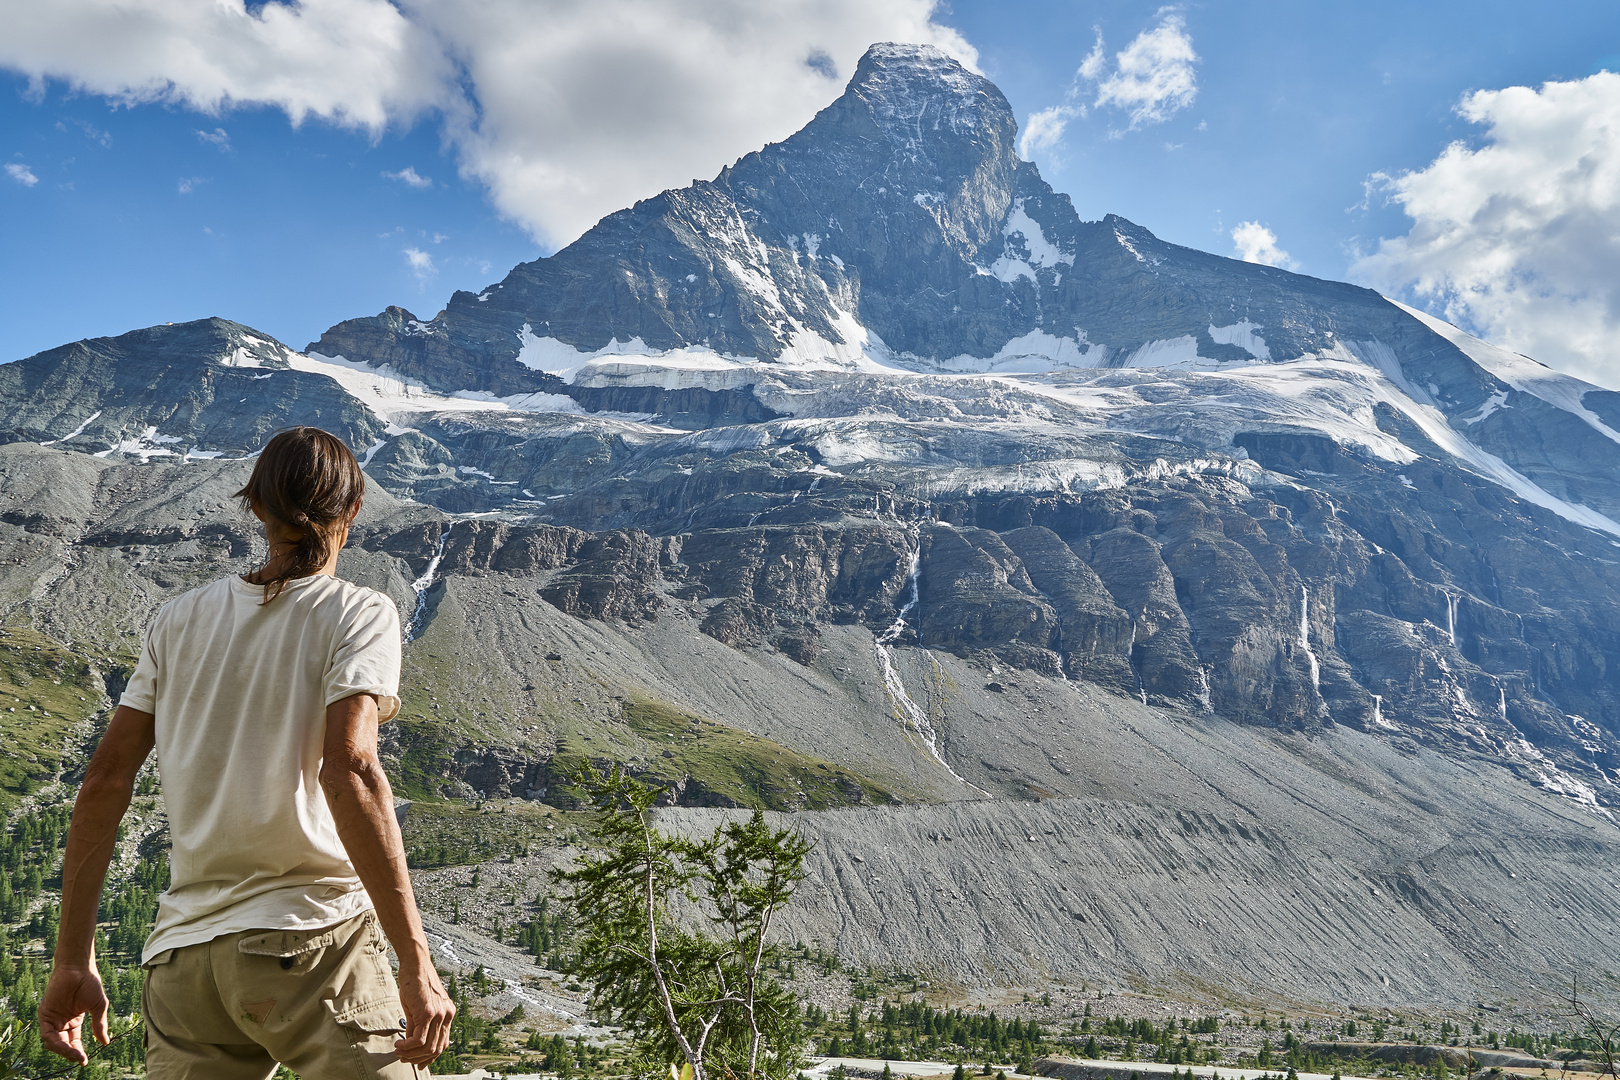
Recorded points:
(238, 691)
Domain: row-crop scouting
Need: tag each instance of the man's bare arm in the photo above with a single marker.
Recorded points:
(362, 803)
(75, 986)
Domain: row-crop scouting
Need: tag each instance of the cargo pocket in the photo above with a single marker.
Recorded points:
(297, 950)
(157, 961)
(370, 1019)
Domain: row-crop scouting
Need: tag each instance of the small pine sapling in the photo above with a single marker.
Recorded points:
(686, 991)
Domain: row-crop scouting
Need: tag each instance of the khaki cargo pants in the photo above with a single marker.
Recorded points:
(322, 1002)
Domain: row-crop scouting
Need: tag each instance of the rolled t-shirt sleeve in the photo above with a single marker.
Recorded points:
(366, 659)
(141, 691)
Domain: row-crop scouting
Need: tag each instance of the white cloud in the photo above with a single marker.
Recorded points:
(22, 174)
(358, 63)
(188, 184)
(408, 175)
(1255, 243)
(1044, 130)
(1152, 79)
(1095, 63)
(421, 263)
(565, 110)
(218, 137)
(1518, 238)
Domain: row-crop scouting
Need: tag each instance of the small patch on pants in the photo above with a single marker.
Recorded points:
(257, 1012)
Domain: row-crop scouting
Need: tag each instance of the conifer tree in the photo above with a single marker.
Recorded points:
(682, 992)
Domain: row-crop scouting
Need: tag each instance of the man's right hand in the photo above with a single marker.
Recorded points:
(428, 1012)
(70, 994)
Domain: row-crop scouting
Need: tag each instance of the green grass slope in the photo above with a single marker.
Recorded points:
(45, 694)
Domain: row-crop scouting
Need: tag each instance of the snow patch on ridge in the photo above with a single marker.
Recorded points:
(1494, 402)
(1182, 352)
(1243, 335)
(551, 356)
(1173, 352)
(1520, 372)
(1041, 253)
(75, 433)
(383, 390)
(693, 365)
(1034, 353)
(146, 446)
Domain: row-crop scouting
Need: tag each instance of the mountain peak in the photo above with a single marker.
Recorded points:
(898, 227)
(916, 88)
(917, 63)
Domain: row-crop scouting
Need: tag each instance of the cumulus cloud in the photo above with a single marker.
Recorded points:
(188, 184)
(359, 63)
(421, 263)
(218, 137)
(565, 111)
(409, 176)
(21, 173)
(1043, 130)
(1518, 237)
(1253, 242)
(1151, 79)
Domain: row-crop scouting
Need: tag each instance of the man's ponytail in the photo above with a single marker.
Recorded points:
(308, 480)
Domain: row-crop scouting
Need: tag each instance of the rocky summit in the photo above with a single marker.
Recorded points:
(1106, 610)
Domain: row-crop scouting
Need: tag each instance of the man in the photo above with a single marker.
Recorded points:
(262, 695)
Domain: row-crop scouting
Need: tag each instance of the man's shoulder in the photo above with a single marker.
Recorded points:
(352, 597)
(214, 592)
(177, 611)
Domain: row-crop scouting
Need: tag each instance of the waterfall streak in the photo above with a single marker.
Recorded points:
(910, 715)
(1305, 636)
(1140, 689)
(1378, 714)
(422, 584)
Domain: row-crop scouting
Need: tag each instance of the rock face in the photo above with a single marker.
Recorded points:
(868, 472)
(206, 387)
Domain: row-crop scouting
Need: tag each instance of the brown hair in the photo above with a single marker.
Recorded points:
(308, 480)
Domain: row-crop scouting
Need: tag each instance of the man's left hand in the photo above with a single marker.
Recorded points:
(68, 996)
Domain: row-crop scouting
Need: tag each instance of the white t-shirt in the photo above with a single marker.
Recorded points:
(239, 691)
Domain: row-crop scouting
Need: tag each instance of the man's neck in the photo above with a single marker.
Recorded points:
(272, 569)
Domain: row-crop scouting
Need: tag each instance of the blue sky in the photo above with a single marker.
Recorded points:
(161, 188)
